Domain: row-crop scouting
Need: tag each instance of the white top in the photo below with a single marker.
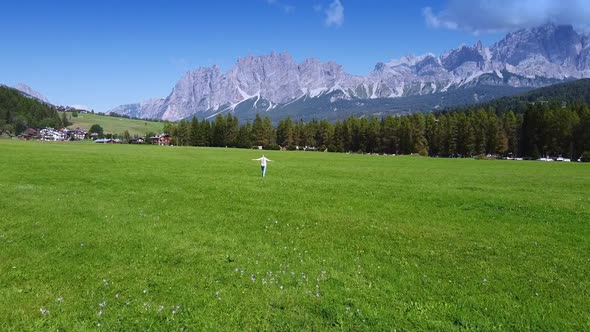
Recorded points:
(263, 160)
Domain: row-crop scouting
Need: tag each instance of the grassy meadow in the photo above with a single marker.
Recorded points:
(127, 237)
(114, 125)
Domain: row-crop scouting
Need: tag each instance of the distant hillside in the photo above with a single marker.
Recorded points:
(114, 125)
(18, 112)
(571, 92)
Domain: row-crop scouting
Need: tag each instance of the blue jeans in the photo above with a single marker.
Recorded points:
(263, 170)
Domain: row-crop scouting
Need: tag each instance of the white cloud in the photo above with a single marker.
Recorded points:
(334, 14)
(480, 16)
(286, 8)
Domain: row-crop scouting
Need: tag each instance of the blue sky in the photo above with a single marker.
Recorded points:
(109, 52)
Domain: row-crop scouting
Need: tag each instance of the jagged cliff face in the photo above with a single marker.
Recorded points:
(526, 58)
(27, 90)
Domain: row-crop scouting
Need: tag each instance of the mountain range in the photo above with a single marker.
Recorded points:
(275, 84)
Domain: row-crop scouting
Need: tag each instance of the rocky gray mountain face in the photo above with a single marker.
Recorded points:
(30, 92)
(528, 58)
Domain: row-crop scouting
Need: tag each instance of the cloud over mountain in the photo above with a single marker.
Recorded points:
(335, 14)
(481, 16)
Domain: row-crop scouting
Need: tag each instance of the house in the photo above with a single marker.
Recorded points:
(138, 140)
(51, 134)
(163, 139)
(79, 134)
(28, 134)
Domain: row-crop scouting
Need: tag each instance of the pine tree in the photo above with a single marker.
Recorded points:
(231, 130)
(372, 135)
(285, 132)
(420, 145)
(431, 134)
(205, 137)
(269, 132)
(244, 136)
(219, 129)
(195, 134)
(64, 120)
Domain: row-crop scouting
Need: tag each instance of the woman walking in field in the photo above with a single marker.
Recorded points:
(263, 161)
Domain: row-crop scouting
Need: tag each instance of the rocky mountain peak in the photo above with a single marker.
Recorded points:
(29, 91)
(556, 43)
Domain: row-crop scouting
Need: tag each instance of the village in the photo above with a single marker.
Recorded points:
(67, 134)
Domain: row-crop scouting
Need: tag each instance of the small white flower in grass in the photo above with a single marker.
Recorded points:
(236, 270)
(281, 287)
(347, 308)
(99, 313)
(81, 244)
(173, 312)
(117, 295)
(60, 299)
(43, 311)
(536, 294)
(484, 281)
(98, 325)
(317, 294)
(160, 308)
(103, 304)
(145, 291)
(253, 278)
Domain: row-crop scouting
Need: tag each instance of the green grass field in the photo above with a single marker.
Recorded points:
(127, 237)
(115, 125)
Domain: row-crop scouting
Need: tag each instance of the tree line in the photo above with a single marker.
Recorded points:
(543, 129)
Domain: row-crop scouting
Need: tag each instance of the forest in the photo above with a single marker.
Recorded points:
(543, 129)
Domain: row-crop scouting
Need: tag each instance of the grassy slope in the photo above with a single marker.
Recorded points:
(115, 125)
(407, 243)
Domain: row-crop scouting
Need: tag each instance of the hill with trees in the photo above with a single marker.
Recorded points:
(573, 92)
(17, 113)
